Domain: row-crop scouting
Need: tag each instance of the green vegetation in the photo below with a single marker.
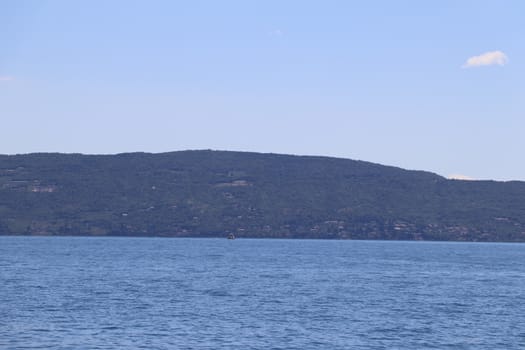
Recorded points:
(213, 193)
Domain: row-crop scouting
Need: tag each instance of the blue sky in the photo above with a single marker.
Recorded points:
(383, 81)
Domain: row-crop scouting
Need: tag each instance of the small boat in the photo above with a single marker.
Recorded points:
(231, 236)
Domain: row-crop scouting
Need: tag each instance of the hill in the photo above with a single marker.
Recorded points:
(213, 193)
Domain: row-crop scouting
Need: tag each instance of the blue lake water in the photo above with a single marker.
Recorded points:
(160, 293)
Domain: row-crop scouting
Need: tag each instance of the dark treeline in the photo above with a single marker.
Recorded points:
(213, 193)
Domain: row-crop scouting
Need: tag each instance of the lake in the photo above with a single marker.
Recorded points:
(162, 293)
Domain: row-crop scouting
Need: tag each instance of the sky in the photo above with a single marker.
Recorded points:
(429, 85)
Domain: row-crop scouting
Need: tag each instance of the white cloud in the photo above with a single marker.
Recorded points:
(276, 32)
(487, 59)
(460, 177)
(5, 78)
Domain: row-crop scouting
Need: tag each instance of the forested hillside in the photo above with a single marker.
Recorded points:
(213, 193)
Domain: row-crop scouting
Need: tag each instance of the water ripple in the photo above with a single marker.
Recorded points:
(116, 293)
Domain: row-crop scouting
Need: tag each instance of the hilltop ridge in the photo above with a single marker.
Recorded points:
(212, 193)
